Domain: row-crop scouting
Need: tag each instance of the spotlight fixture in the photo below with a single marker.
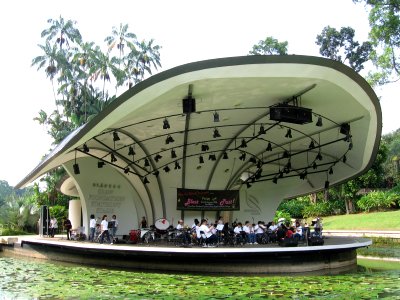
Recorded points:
(204, 147)
(314, 165)
(85, 148)
(156, 173)
(146, 162)
(166, 124)
(312, 145)
(248, 185)
(269, 147)
(275, 180)
(157, 157)
(113, 158)
(242, 157)
(166, 169)
(303, 175)
(243, 144)
(262, 130)
(285, 154)
(169, 139)
(216, 117)
(345, 129)
(212, 157)
(319, 156)
(330, 171)
(225, 156)
(115, 136)
(145, 180)
(288, 133)
(326, 186)
(126, 170)
(173, 153)
(131, 151)
(76, 168)
(100, 164)
(319, 122)
(253, 160)
(344, 159)
(216, 133)
(177, 166)
(201, 159)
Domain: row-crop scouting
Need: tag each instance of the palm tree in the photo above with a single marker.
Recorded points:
(62, 31)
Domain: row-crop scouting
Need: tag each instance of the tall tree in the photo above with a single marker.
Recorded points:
(269, 46)
(384, 20)
(341, 46)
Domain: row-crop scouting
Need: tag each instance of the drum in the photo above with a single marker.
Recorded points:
(161, 225)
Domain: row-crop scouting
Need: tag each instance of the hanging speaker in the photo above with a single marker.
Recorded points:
(189, 105)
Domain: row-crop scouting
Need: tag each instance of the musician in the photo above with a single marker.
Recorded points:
(259, 230)
(210, 237)
(182, 232)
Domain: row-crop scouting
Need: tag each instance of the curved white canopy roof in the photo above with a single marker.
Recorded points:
(240, 91)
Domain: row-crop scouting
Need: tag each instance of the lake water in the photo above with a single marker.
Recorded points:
(36, 279)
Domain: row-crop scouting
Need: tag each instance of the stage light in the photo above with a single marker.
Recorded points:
(115, 136)
(314, 166)
(319, 156)
(169, 139)
(253, 160)
(145, 180)
(156, 173)
(344, 158)
(312, 145)
(173, 153)
(177, 166)
(204, 147)
(225, 156)
(146, 162)
(243, 144)
(166, 124)
(157, 157)
(275, 180)
(259, 164)
(285, 154)
(201, 159)
(76, 169)
(113, 158)
(262, 130)
(126, 170)
(248, 185)
(319, 122)
(166, 169)
(216, 117)
(269, 147)
(212, 157)
(216, 133)
(330, 171)
(85, 148)
(288, 134)
(131, 151)
(326, 186)
(100, 164)
(242, 156)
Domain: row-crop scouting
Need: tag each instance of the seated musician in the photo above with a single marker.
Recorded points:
(240, 233)
(298, 231)
(182, 232)
(260, 230)
(210, 237)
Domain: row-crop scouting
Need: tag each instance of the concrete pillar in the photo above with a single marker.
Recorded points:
(74, 212)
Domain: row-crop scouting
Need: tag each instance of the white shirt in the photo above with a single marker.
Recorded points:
(92, 223)
(53, 223)
(246, 229)
(259, 228)
(273, 227)
(104, 225)
(238, 230)
(299, 230)
(206, 230)
(220, 227)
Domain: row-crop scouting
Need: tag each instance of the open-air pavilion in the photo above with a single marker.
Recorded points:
(230, 136)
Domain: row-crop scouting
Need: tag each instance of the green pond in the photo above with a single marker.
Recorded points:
(36, 279)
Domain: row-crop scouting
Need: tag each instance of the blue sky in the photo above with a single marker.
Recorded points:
(187, 30)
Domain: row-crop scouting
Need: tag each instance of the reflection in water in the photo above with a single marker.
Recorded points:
(32, 279)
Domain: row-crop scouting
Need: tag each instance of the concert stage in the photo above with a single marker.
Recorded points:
(337, 255)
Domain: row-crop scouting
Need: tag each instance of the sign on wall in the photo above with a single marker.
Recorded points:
(188, 199)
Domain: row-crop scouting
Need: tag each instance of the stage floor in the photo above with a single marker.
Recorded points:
(336, 255)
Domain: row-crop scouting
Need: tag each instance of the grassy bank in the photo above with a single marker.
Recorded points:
(389, 220)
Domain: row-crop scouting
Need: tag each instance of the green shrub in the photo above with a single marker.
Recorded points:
(377, 200)
(282, 214)
(8, 232)
(295, 207)
(318, 209)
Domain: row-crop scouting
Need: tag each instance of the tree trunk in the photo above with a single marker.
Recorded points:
(313, 198)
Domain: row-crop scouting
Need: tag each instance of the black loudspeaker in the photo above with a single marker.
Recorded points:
(290, 114)
(44, 220)
(345, 128)
(189, 105)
